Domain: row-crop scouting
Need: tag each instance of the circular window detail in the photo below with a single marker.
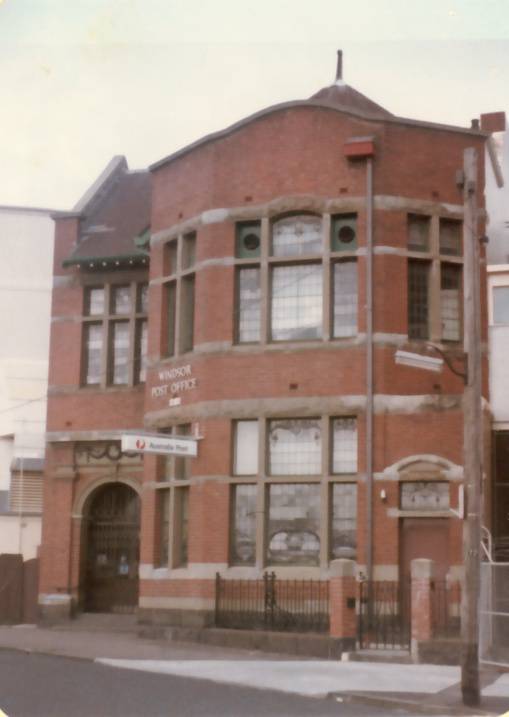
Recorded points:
(346, 234)
(251, 241)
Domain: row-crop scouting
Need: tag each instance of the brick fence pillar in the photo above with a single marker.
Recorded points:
(421, 617)
(343, 618)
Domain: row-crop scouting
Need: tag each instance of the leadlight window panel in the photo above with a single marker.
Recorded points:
(170, 258)
(418, 233)
(188, 250)
(297, 236)
(344, 232)
(93, 343)
(345, 299)
(171, 308)
(163, 534)
(121, 299)
(450, 302)
(501, 457)
(295, 447)
(94, 301)
(343, 537)
(182, 526)
(120, 353)
(501, 304)
(141, 350)
(245, 448)
(182, 465)
(142, 298)
(248, 240)
(293, 529)
(296, 311)
(187, 313)
(249, 305)
(243, 530)
(450, 237)
(344, 445)
(418, 300)
(424, 495)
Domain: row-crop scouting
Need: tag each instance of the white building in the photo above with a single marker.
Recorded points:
(26, 237)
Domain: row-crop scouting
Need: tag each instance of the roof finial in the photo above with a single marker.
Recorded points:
(339, 66)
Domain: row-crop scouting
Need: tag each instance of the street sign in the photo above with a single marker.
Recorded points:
(162, 445)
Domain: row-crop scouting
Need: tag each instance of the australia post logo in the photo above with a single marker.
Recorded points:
(140, 444)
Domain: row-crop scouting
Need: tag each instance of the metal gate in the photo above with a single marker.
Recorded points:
(494, 614)
(112, 550)
(384, 615)
(271, 604)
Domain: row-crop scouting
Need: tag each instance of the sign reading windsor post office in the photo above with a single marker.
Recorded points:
(162, 445)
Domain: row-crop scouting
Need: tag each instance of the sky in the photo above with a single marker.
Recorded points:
(82, 81)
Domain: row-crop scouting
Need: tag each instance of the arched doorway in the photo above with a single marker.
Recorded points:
(112, 526)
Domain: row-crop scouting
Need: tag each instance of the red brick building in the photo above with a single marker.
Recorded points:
(291, 255)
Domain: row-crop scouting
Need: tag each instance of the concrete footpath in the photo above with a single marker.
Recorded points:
(427, 689)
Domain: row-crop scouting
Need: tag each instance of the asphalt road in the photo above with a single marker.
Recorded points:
(34, 685)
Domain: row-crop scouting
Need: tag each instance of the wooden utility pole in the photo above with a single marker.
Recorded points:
(473, 437)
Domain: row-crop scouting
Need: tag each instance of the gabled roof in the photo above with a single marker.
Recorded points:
(114, 213)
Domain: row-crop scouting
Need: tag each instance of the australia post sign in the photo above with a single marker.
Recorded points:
(163, 445)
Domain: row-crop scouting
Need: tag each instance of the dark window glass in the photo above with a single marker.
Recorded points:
(248, 240)
(450, 302)
(170, 258)
(344, 232)
(450, 237)
(297, 236)
(141, 350)
(418, 300)
(343, 542)
(187, 313)
(418, 233)
(295, 447)
(170, 318)
(188, 251)
(296, 302)
(345, 299)
(294, 524)
(182, 465)
(182, 524)
(120, 353)
(93, 339)
(243, 532)
(163, 523)
(249, 296)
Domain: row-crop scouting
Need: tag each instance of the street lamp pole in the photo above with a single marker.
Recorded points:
(472, 436)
